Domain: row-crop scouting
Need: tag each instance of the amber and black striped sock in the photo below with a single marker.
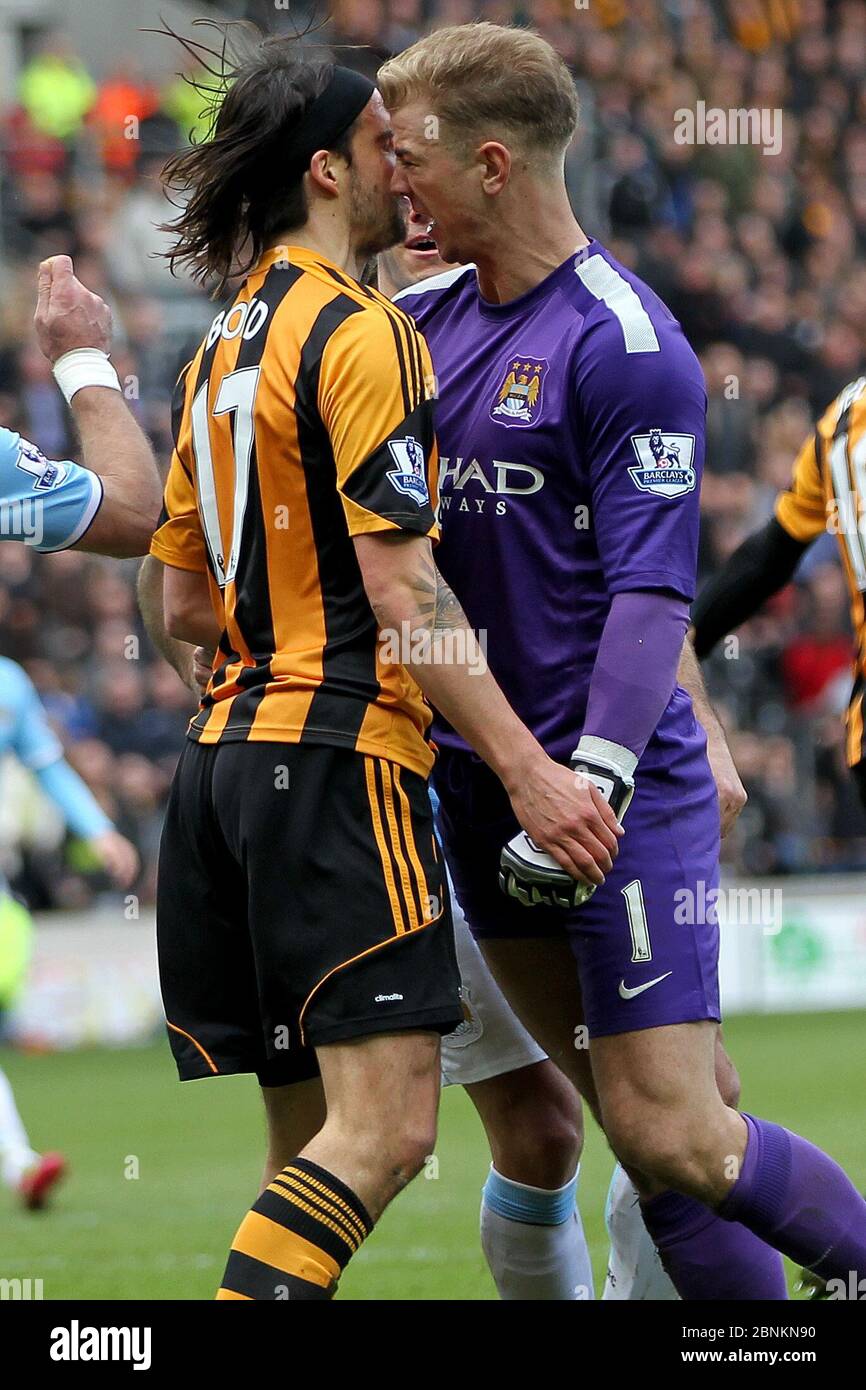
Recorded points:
(297, 1239)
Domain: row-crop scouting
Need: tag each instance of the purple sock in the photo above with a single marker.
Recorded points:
(707, 1258)
(797, 1198)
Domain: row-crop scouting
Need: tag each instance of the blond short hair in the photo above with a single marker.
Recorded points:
(490, 78)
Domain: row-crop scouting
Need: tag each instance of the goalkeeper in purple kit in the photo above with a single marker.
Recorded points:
(571, 431)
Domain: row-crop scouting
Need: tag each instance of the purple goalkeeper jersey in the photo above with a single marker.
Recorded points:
(571, 434)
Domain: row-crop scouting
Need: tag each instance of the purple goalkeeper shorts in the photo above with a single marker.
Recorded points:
(646, 943)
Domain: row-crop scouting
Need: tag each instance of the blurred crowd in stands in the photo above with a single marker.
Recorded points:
(761, 256)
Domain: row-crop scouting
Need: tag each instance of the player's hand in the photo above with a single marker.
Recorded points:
(731, 792)
(68, 315)
(567, 818)
(117, 856)
(533, 875)
(202, 669)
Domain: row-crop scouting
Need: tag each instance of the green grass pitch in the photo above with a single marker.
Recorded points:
(162, 1173)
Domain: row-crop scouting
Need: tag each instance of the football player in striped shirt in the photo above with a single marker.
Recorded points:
(827, 494)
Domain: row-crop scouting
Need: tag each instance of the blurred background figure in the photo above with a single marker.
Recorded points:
(26, 736)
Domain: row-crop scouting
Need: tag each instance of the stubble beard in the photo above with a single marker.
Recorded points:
(379, 223)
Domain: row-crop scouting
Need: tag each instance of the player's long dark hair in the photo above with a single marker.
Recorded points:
(234, 201)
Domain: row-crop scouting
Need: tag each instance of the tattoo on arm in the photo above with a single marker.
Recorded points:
(449, 613)
(435, 602)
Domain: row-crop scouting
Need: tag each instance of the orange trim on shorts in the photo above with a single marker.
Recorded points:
(402, 866)
(174, 1028)
(351, 961)
(378, 831)
(409, 834)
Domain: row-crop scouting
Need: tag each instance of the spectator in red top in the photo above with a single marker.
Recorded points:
(123, 101)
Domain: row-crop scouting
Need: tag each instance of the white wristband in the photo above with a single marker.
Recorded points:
(84, 367)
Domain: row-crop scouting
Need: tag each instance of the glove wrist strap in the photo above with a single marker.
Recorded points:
(614, 754)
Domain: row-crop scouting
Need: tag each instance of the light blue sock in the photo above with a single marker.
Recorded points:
(533, 1240)
(536, 1206)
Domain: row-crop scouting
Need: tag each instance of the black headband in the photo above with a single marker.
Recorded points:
(326, 119)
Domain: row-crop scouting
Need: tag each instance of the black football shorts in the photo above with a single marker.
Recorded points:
(301, 901)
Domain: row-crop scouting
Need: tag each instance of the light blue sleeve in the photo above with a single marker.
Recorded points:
(35, 744)
(74, 799)
(46, 504)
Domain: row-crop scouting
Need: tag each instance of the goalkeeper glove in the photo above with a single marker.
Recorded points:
(533, 876)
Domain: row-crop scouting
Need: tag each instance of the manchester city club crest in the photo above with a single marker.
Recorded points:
(410, 476)
(665, 463)
(519, 397)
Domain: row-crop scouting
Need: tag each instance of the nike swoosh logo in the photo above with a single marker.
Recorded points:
(626, 993)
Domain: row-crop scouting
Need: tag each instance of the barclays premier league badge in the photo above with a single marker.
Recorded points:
(45, 472)
(410, 476)
(665, 463)
(519, 394)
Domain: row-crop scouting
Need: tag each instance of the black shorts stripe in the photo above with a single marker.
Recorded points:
(411, 899)
(400, 905)
(421, 907)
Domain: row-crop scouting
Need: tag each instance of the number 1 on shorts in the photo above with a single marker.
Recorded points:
(641, 949)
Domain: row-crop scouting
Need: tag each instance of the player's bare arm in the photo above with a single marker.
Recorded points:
(732, 793)
(70, 319)
(570, 821)
(179, 655)
(188, 610)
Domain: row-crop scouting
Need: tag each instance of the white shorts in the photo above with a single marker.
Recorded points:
(491, 1040)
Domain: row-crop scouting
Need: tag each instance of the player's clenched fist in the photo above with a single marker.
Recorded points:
(202, 670)
(68, 315)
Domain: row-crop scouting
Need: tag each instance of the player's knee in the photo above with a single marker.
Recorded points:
(407, 1150)
(672, 1147)
(645, 1139)
(535, 1126)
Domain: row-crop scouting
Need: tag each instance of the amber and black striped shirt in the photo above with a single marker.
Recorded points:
(304, 419)
(828, 493)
